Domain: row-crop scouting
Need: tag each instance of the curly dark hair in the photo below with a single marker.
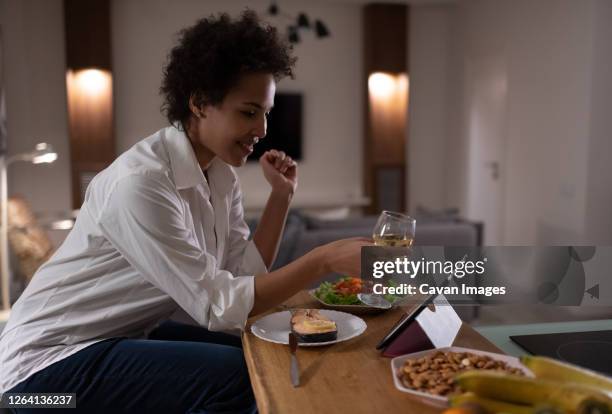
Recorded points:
(211, 56)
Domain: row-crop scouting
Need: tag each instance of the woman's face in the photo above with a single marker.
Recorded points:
(231, 129)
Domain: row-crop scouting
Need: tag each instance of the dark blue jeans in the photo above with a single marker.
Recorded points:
(179, 369)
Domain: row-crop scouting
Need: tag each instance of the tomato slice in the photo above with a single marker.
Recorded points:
(348, 286)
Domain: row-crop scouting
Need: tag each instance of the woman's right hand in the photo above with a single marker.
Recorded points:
(344, 256)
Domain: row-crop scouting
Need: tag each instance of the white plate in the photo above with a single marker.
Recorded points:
(398, 362)
(276, 327)
(354, 309)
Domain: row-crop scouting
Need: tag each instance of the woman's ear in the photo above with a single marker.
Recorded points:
(196, 106)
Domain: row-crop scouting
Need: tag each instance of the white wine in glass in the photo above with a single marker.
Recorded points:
(394, 230)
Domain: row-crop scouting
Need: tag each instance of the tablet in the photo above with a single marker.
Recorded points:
(406, 320)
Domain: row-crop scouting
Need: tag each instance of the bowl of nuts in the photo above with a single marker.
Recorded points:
(431, 373)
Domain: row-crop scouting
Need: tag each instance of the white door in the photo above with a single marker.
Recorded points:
(485, 109)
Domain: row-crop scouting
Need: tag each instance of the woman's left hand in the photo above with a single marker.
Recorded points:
(280, 171)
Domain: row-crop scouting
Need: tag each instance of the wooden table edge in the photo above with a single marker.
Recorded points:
(257, 380)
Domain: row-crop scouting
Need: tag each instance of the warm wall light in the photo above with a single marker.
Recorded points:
(90, 103)
(381, 85)
(387, 91)
(90, 120)
(388, 102)
(90, 82)
(93, 81)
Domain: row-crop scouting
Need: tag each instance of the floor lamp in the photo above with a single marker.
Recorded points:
(42, 153)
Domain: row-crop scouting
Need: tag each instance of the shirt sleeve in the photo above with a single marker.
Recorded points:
(243, 257)
(144, 220)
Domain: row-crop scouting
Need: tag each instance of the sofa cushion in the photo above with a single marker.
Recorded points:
(447, 234)
(426, 214)
(313, 223)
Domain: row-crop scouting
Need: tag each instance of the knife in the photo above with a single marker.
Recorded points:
(294, 370)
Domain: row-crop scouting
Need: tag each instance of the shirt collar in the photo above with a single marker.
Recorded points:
(185, 168)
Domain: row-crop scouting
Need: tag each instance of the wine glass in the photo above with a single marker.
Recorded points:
(394, 229)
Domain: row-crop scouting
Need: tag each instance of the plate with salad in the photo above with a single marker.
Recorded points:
(342, 296)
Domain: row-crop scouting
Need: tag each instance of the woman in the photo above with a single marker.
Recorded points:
(161, 234)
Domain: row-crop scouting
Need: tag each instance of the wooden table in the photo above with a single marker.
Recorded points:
(348, 377)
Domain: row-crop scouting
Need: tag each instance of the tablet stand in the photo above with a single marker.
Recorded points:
(431, 329)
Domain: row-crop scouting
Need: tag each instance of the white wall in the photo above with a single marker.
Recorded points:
(328, 73)
(34, 76)
(429, 57)
(548, 119)
(599, 183)
(552, 71)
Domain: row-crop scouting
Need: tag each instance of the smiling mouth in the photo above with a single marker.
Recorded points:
(248, 148)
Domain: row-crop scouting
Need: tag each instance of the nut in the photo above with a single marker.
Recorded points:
(435, 373)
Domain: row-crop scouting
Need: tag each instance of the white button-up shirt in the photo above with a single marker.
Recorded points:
(153, 240)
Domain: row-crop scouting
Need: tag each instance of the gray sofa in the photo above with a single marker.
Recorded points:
(303, 233)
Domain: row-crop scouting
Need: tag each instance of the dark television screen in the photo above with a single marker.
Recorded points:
(284, 127)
